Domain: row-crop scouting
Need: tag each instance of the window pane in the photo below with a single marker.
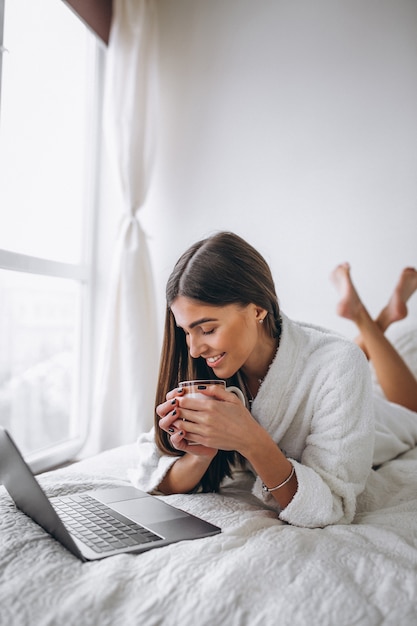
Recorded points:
(38, 339)
(42, 130)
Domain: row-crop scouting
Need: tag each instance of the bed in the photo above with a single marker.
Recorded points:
(257, 571)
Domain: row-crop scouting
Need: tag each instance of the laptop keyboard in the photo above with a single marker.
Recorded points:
(98, 526)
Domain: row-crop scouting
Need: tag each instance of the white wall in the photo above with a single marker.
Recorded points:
(293, 123)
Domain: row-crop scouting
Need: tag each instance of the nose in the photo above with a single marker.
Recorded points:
(195, 346)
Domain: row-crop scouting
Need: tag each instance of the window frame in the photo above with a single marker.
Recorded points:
(83, 273)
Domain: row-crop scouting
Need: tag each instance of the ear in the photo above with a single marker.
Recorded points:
(260, 314)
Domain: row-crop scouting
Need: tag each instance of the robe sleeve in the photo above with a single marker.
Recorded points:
(337, 458)
(152, 466)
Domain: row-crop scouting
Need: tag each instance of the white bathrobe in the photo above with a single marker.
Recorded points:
(318, 405)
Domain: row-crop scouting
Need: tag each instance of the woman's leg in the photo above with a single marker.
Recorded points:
(396, 308)
(394, 376)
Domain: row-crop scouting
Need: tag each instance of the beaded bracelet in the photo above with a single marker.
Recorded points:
(287, 480)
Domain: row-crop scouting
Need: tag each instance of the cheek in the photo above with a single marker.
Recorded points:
(248, 339)
(238, 341)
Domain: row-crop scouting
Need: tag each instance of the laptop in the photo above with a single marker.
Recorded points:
(99, 523)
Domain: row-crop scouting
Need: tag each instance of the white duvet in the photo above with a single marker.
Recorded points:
(258, 571)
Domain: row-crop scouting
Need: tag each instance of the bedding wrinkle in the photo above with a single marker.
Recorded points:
(260, 569)
(257, 571)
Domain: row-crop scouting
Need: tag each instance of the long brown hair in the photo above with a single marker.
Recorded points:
(222, 269)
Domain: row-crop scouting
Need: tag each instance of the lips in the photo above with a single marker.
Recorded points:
(212, 361)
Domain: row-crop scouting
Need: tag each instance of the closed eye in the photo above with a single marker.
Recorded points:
(208, 332)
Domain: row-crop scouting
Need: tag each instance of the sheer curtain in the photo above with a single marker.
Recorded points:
(124, 399)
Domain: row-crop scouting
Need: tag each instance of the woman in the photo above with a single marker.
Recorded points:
(308, 429)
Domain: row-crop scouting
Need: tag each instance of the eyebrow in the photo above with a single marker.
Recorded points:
(203, 320)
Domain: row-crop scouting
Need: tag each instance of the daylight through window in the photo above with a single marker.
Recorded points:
(46, 151)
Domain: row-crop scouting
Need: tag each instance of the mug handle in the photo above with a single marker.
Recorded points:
(237, 393)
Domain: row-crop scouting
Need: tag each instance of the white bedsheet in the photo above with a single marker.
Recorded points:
(258, 571)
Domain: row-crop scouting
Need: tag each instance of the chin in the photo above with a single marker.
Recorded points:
(224, 371)
(224, 374)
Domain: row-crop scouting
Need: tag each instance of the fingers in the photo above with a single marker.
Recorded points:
(193, 411)
(178, 441)
(215, 391)
(179, 428)
(191, 421)
(182, 442)
(218, 392)
(168, 406)
(177, 392)
(179, 421)
(176, 399)
(170, 422)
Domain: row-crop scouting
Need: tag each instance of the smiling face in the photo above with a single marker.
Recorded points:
(228, 337)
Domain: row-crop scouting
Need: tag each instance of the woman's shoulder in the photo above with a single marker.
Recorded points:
(316, 334)
(318, 342)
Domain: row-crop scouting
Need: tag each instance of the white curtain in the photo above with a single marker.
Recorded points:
(124, 400)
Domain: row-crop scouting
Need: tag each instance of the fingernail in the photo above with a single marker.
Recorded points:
(171, 430)
(174, 412)
(173, 401)
(180, 389)
(181, 432)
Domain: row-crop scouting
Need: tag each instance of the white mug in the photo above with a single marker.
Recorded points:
(193, 388)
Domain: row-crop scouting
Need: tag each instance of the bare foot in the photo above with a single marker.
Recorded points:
(350, 305)
(396, 308)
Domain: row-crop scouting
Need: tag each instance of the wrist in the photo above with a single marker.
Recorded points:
(267, 459)
(185, 474)
(197, 460)
(255, 444)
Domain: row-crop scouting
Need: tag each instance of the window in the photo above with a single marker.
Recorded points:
(48, 132)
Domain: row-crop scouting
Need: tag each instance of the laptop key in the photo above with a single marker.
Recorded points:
(97, 525)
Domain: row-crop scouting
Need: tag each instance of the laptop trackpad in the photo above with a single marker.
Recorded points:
(147, 510)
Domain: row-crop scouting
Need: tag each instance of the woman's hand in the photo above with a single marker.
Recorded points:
(199, 425)
(219, 421)
(170, 421)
